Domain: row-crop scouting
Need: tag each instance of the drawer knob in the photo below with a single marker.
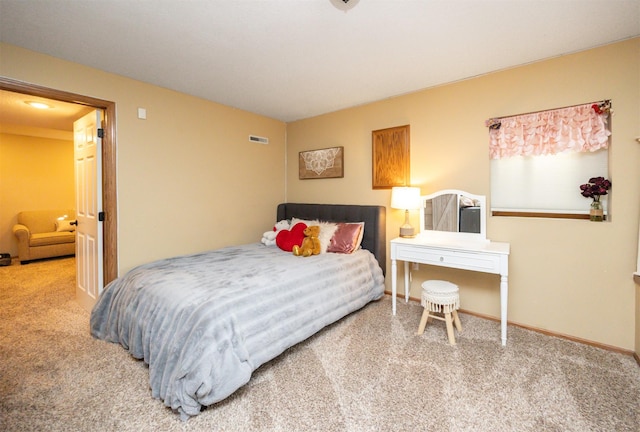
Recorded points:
(441, 259)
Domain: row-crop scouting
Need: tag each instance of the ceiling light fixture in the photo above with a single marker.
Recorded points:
(344, 5)
(38, 105)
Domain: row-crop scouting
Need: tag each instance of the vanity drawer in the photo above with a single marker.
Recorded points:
(482, 262)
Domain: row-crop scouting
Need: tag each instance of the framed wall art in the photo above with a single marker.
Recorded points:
(321, 164)
(391, 163)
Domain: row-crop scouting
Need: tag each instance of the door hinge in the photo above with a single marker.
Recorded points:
(101, 216)
(100, 133)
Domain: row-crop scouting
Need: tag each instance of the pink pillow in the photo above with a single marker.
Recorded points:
(346, 239)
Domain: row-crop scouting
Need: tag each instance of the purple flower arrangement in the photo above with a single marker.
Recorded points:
(595, 188)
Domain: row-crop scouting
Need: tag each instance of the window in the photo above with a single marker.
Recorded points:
(539, 160)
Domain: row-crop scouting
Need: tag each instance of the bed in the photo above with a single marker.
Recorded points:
(204, 322)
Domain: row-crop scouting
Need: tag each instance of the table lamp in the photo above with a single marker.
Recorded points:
(405, 198)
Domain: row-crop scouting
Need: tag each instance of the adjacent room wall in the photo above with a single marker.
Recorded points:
(188, 177)
(36, 173)
(572, 277)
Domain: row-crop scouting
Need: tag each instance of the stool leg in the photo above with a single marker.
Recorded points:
(423, 321)
(456, 320)
(452, 338)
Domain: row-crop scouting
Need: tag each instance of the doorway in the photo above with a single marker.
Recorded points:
(109, 183)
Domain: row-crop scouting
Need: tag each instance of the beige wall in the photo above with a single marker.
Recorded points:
(568, 276)
(637, 351)
(35, 173)
(188, 178)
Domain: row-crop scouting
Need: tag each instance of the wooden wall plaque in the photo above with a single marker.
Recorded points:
(321, 164)
(391, 162)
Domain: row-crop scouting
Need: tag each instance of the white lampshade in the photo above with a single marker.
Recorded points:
(405, 198)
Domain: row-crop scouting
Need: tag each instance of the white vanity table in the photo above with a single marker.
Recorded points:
(462, 246)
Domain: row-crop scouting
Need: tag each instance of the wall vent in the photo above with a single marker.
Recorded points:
(258, 139)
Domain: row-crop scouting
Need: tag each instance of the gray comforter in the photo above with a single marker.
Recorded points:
(204, 322)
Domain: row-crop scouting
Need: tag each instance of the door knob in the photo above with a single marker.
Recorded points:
(75, 222)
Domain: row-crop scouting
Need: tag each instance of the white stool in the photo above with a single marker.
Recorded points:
(440, 297)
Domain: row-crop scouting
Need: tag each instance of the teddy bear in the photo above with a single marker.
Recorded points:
(269, 237)
(310, 243)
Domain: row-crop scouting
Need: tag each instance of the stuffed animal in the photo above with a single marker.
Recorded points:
(287, 239)
(269, 237)
(310, 243)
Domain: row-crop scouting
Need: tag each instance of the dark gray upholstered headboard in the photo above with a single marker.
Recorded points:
(374, 218)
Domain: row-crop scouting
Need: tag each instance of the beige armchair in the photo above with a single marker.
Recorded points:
(45, 234)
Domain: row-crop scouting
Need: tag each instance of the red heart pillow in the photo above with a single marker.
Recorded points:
(286, 239)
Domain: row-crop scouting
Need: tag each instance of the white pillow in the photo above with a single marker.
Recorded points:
(327, 230)
(64, 225)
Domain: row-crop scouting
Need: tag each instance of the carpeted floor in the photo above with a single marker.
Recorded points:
(368, 372)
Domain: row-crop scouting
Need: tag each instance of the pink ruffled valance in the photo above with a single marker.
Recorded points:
(581, 128)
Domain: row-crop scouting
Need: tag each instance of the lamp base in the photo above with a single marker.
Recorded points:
(407, 231)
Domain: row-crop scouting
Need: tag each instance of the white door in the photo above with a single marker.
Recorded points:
(88, 178)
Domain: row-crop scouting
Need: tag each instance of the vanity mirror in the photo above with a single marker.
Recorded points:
(453, 215)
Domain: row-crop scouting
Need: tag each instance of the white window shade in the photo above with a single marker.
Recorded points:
(546, 184)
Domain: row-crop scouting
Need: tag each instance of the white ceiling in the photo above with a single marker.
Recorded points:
(293, 59)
